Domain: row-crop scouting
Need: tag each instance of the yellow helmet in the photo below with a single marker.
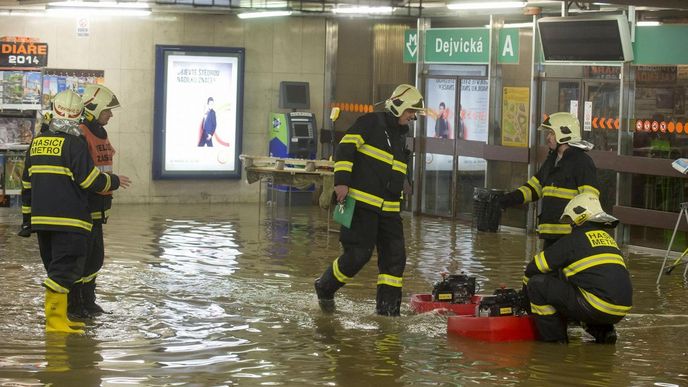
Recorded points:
(565, 126)
(98, 98)
(405, 97)
(586, 207)
(67, 105)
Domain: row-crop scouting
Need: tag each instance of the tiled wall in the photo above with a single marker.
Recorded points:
(276, 49)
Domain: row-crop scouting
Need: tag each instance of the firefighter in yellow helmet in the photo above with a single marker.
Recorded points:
(566, 172)
(58, 173)
(371, 164)
(594, 286)
(99, 101)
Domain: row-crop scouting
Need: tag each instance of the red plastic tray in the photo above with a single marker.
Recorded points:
(504, 328)
(421, 303)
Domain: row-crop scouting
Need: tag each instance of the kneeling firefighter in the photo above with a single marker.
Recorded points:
(594, 287)
(370, 166)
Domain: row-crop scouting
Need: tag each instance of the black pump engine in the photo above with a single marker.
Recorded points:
(504, 302)
(455, 288)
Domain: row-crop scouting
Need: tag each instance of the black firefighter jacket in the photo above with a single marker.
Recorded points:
(372, 161)
(590, 260)
(555, 184)
(58, 172)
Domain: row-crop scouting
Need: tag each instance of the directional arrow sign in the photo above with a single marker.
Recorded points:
(609, 123)
(602, 123)
(411, 46)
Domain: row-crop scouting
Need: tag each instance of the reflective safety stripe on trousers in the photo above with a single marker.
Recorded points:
(390, 280)
(55, 221)
(338, 274)
(604, 306)
(374, 200)
(542, 310)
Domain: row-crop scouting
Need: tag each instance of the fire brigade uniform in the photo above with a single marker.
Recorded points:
(555, 184)
(57, 175)
(371, 160)
(82, 300)
(594, 286)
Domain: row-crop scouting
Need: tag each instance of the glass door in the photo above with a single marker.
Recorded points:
(600, 119)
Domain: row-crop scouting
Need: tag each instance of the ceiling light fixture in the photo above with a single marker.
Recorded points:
(109, 8)
(255, 15)
(487, 5)
(363, 10)
(648, 23)
(515, 25)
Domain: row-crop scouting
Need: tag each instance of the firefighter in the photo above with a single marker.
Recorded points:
(594, 287)
(371, 166)
(566, 172)
(58, 173)
(98, 104)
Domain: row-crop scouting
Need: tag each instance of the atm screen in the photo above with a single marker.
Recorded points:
(301, 130)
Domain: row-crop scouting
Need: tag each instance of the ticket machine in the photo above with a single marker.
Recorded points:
(293, 135)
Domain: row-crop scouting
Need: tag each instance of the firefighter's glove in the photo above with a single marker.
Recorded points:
(510, 199)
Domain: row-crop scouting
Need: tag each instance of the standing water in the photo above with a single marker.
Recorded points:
(222, 295)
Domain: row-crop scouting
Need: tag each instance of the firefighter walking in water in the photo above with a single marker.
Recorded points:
(98, 104)
(58, 173)
(370, 166)
(594, 286)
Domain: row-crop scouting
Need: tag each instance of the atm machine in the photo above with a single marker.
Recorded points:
(293, 135)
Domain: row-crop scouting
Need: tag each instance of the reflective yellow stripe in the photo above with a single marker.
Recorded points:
(525, 280)
(535, 183)
(108, 182)
(593, 260)
(99, 214)
(50, 169)
(26, 184)
(542, 310)
(54, 286)
(338, 274)
(604, 306)
(541, 262)
(89, 278)
(399, 166)
(390, 280)
(558, 192)
(90, 178)
(554, 228)
(346, 166)
(391, 206)
(26, 209)
(355, 139)
(55, 221)
(527, 194)
(377, 153)
(589, 189)
(366, 197)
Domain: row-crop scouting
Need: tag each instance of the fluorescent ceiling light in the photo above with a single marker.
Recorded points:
(515, 25)
(363, 10)
(254, 15)
(648, 23)
(79, 8)
(487, 5)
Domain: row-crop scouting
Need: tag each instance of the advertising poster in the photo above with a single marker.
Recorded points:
(199, 131)
(515, 119)
(473, 119)
(441, 104)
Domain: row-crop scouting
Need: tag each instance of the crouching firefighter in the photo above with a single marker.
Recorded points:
(593, 287)
(58, 173)
(370, 166)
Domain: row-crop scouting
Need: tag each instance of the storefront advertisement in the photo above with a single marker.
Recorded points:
(441, 104)
(515, 104)
(198, 112)
(473, 119)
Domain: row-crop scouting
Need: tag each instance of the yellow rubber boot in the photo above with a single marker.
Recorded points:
(56, 313)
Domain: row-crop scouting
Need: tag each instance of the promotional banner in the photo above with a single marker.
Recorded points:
(474, 119)
(515, 104)
(199, 132)
(441, 103)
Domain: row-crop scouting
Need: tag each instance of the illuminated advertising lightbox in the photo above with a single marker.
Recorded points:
(198, 112)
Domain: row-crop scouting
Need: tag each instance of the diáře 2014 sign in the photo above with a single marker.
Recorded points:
(23, 54)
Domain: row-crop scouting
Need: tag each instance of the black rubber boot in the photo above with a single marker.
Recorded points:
(603, 334)
(88, 295)
(325, 299)
(75, 304)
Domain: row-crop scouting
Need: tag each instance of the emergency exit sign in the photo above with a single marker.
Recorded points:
(461, 45)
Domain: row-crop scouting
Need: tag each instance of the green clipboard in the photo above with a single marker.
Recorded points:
(344, 212)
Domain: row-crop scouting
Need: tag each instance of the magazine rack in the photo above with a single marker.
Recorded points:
(682, 259)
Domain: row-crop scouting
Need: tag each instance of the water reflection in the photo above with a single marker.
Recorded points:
(211, 295)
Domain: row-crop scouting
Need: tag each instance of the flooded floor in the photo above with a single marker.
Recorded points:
(222, 295)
